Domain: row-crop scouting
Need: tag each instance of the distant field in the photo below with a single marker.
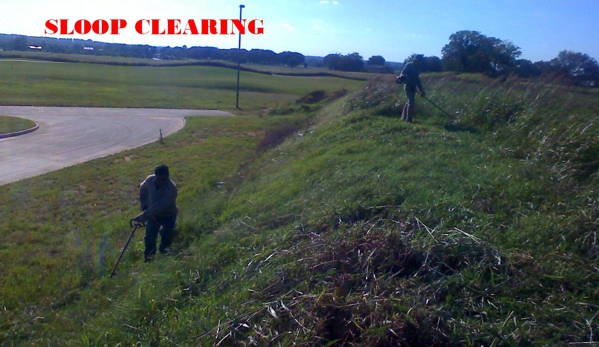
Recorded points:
(82, 84)
(279, 69)
(126, 61)
(86, 58)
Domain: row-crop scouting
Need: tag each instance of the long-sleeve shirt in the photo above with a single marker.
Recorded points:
(157, 201)
(412, 76)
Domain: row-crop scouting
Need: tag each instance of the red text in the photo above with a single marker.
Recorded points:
(205, 27)
(84, 26)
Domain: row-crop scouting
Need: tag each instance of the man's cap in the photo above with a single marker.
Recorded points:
(161, 171)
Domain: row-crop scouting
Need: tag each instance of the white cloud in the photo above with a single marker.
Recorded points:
(324, 2)
(288, 26)
(335, 2)
(317, 23)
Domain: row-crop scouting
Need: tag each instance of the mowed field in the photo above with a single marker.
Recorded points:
(80, 84)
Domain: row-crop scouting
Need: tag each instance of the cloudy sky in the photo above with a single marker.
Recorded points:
(392, 28)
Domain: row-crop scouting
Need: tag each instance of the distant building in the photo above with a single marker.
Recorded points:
(88, 48)
(38, 48)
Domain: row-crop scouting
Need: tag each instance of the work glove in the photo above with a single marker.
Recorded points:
(422, 94)
(140, 218)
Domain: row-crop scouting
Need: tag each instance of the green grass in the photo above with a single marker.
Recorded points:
(86, 58)
(69, 225)
(369, 231)
(14, 124)
(359, 230)
(68, 84)
(126, 61)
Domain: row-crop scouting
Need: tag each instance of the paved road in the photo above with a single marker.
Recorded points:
(72, 135)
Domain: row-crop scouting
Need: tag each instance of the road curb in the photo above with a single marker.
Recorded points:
(19, 133)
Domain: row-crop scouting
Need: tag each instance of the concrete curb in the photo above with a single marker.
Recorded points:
(19, 133)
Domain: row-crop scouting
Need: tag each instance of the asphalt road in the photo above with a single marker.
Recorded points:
(73, 135)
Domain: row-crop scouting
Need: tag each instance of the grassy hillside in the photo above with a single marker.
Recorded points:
(64, 230)
(360, 229)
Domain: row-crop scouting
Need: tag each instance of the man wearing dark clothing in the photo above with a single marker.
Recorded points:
(157, 197)
(411, 77)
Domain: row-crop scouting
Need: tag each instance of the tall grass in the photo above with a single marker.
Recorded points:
(358, 230)
(376, 232)
(64, 230)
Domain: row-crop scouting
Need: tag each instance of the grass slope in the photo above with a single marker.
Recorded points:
(359, 230)
(63, 230)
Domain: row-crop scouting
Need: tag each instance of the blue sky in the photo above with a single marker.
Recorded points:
(393, 29)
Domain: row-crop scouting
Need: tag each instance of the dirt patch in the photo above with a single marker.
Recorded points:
(312, 97)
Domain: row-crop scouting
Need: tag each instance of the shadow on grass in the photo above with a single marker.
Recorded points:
(460, 127)
(390, 110)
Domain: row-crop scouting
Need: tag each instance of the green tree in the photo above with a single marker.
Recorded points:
(427, 64)
(332, 61)
(201, 52)
(290, 58)
(261, 56)
(376, 60)
(525, 68)
(350, 62)
(20, 43)
(353, 62)
(433, 64)
(503, 55)
(471, 51)
(580, 67)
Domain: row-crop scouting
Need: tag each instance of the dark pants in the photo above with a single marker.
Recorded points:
(153, 228)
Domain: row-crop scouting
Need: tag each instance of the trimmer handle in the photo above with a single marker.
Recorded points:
(135, 224)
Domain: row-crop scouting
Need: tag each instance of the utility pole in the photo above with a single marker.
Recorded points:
(239, 57)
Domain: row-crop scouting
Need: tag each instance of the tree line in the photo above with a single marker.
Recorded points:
(254, 56)
(467, 51)
(471, 51)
